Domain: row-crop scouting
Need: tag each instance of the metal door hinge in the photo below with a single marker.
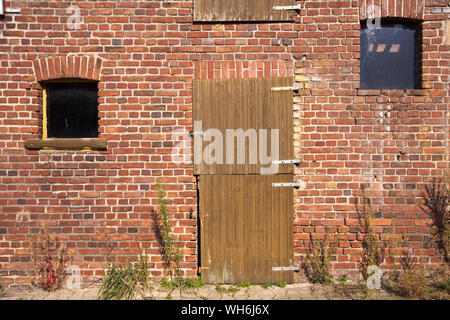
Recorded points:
(199, 134)
(280, 8)
(294, 88)
(286, 162)
(281, 185)
(12, 10)
(293, 268)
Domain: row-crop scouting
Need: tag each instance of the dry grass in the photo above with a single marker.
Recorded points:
(413, 281)
(436, 204)
(318, 260)
(370, 256)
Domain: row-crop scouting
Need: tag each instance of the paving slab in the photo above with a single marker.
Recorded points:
(300, 291)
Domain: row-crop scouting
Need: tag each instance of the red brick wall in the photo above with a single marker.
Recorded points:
(392, 141)
(145, 54)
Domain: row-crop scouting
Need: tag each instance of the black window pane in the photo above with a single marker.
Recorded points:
(72, 110)
(389, 57)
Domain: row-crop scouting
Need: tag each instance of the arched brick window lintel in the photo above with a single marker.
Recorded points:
(407, 9)
(60, 67)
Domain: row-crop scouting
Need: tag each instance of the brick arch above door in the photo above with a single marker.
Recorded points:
(59, 67)
(243, 69)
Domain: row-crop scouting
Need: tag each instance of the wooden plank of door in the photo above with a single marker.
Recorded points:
(275, 112)
(204, 206)
(240, 229)
(230, 238)
(196, 116)
(275, 232)
(221, 112)
(267, 235)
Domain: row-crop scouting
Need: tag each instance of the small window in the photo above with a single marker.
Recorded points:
(71, 109)
(390, 56)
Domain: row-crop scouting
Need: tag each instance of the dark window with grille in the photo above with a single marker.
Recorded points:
(390, 55)
(72, 109)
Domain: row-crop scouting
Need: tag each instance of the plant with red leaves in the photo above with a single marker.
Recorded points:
(49, 258)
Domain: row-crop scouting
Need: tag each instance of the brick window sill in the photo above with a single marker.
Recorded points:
(392, 93)
(85, 144)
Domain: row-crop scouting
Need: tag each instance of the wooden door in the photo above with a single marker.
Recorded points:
(246, 104)
(245, 222)
(246, 228)
(242, 10)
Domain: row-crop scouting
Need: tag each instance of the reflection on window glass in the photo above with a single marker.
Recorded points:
(390, 56)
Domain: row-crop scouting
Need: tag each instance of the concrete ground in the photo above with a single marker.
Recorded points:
(300, 291)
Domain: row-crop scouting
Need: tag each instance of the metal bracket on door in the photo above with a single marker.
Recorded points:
(12, 10)
(281, 185)
(294, 268)
(294, 88)
(282, 8)
(297, 162)
(200, 134)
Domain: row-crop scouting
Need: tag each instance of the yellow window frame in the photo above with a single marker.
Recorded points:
(45, 118)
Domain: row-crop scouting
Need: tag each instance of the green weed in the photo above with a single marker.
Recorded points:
(182, 283)
(222, 289)
(232, 289)
(342, 279)
(125, 282)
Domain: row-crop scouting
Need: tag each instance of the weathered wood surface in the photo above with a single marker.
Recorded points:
(246, 228)
(242, 10)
